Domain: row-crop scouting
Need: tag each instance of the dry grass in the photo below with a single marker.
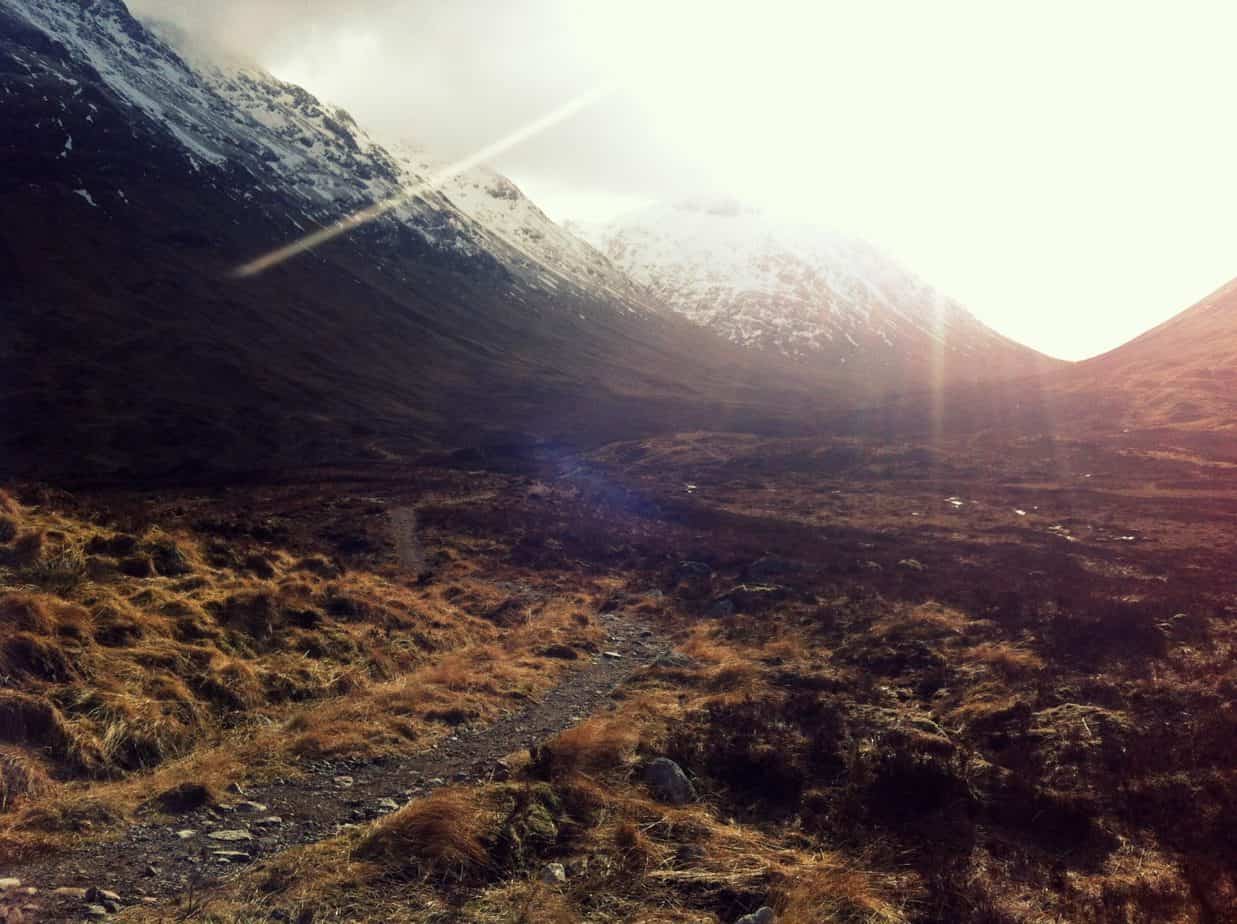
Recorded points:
(439, 836)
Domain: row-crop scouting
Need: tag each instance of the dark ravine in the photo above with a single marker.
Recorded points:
(150, 863)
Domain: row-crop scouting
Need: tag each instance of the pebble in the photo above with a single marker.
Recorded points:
(614, 655)
(101, 896)
(9, 883)
(69, 892)
(268, 822)
(232, 856)
(95, 911)
(185, 833)
(344, 782)
(252, 808)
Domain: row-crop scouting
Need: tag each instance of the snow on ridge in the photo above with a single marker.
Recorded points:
(762, 281)
(268, 136)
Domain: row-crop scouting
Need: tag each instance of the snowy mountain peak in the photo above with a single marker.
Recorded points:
(254, 137)
(786, 286)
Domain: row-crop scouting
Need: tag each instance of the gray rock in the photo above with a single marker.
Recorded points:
(762, 915)
(8, 883)
(95, 911)
(185, 833)
(668, 782)
(554, 874)
(269, 821)
(230, 834)
(386, 805)
(252, 808)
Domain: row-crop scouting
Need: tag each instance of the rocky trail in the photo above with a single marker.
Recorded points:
(156, 861)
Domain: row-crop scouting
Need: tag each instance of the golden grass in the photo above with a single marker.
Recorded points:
(439, 836)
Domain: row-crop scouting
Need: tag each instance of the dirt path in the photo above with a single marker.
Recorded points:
(155, 860)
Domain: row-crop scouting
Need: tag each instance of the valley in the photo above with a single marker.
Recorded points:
(1043, 696)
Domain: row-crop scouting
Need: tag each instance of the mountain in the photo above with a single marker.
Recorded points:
(801, 292)
(138, 173)
(1181, 375)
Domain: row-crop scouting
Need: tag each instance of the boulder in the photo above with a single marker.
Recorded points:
(668, 782)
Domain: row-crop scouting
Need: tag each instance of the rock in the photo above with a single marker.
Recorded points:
(269, 821)
(344, 781)
(231, 835)
(386, 805)
(613, 655)
(69, 892)
(185, 833)
(95, 911)
(9, 883)
(95, 894)
(668, 782)
(762, 915)
(554, 874)
(111, 907)
(236, 789)
(231, 856)
(255, 808)
(912, 564)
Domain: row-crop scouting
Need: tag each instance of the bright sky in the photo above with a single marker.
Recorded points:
(1068, 170)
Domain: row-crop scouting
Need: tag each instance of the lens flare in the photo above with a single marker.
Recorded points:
(380, 208)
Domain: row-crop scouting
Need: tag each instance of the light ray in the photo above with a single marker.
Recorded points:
(380, 208)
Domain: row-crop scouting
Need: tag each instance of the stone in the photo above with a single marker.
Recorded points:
(762, 915)
(95, 911)
(9, 883)
(912, 564)
(344, 781)
(231, 856)
(554, 874)
(95, 894)
(269, 821)
(69, 892)
(231, 835)
(613, 655)
(668, 782)
(111, 907)
(236, 789)
(386, 805)
(185, 833)
(254, 808)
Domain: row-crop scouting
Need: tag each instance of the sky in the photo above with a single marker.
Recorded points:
(1067, 170)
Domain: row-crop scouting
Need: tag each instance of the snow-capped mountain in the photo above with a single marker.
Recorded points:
(795, 289)
(138, 172)
(254, 135)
